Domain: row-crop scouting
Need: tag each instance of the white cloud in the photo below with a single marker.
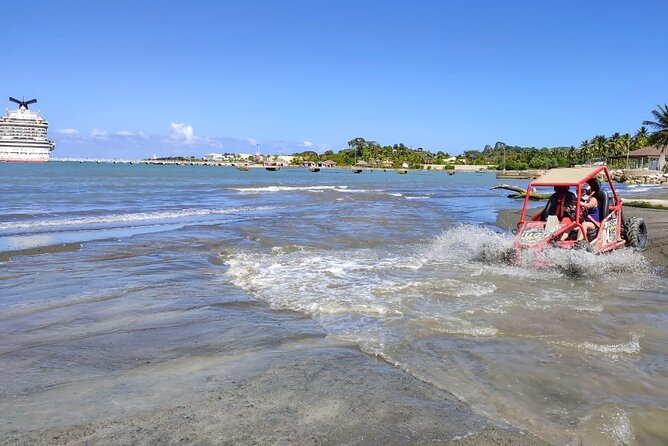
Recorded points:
(99, 134)
(252, 141)
(125, 133)
(308, 144)
(68, 131)
(181, 132)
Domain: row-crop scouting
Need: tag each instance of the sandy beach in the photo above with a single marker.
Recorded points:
(321, 393)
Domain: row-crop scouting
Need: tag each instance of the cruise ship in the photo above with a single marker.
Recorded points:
(23, 135)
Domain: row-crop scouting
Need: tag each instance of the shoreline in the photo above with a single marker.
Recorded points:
(302, 392)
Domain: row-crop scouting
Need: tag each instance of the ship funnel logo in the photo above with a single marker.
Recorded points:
(23, 104)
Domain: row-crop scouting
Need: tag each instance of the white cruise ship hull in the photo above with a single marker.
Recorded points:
(26, 152)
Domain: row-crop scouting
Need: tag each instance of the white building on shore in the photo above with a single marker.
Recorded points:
(228, 157)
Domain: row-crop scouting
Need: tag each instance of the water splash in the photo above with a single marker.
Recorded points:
(474, 243)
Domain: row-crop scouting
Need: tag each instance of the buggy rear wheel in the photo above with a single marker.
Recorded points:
(635, 233)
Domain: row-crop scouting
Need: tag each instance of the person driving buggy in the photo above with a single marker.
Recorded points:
(558, 202)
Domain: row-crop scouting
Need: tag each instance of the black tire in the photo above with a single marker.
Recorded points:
(510, 256)
(634, 231)
(622, 230)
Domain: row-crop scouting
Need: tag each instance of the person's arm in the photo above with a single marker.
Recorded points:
(591, 204)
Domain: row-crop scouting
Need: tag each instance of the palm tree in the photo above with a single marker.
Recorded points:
(585, 150)
(660, 126)
(615, 146)
(600, 146)
(640, 138)
(625, 144)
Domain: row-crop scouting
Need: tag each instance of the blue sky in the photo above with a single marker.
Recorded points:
(132, 78)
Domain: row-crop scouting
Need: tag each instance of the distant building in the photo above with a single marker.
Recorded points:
(282, 160)
(426, 157)
(328, 163)
(652, 157)
(227, 157)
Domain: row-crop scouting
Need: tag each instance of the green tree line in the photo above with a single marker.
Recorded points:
(600, 148)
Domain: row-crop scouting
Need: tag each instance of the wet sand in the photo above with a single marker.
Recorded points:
(304, 391)
(64, 247)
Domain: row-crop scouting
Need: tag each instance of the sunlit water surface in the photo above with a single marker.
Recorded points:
(407, 267)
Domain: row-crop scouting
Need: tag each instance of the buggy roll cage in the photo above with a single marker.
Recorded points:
(570, 177)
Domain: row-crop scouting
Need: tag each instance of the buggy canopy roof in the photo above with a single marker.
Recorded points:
(570, 176)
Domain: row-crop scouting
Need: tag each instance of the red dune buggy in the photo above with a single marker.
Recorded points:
(564, 213)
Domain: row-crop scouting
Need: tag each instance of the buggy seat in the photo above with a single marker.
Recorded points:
(558, 201)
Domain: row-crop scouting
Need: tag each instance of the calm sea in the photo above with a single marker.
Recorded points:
(149, 258)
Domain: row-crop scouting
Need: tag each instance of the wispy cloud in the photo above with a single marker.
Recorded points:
(68, 132)
(307, 144)
(99, 134)
(125, 133)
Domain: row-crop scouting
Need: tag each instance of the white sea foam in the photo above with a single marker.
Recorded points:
(417, 197)
(341, 189)
(643, 187)
(471, 331)
(287, 188)
(318, 284)
(359, 191)
(619, 427)
(128, 218)
(627, 348)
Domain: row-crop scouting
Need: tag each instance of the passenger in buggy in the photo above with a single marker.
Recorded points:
(589, 214)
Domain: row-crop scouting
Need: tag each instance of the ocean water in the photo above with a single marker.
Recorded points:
(117, 266)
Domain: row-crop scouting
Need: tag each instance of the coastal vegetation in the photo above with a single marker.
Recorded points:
(372, 154)
(611, 149)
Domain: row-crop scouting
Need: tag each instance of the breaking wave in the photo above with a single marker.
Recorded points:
(341, 189)
(128, 218)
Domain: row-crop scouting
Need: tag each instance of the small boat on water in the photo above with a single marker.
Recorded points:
(314, 169)
(243, 167)
(356, 169)
(451, 172)
(402, 171)
(272, 167)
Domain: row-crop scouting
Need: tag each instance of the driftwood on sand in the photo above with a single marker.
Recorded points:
(520, 192)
